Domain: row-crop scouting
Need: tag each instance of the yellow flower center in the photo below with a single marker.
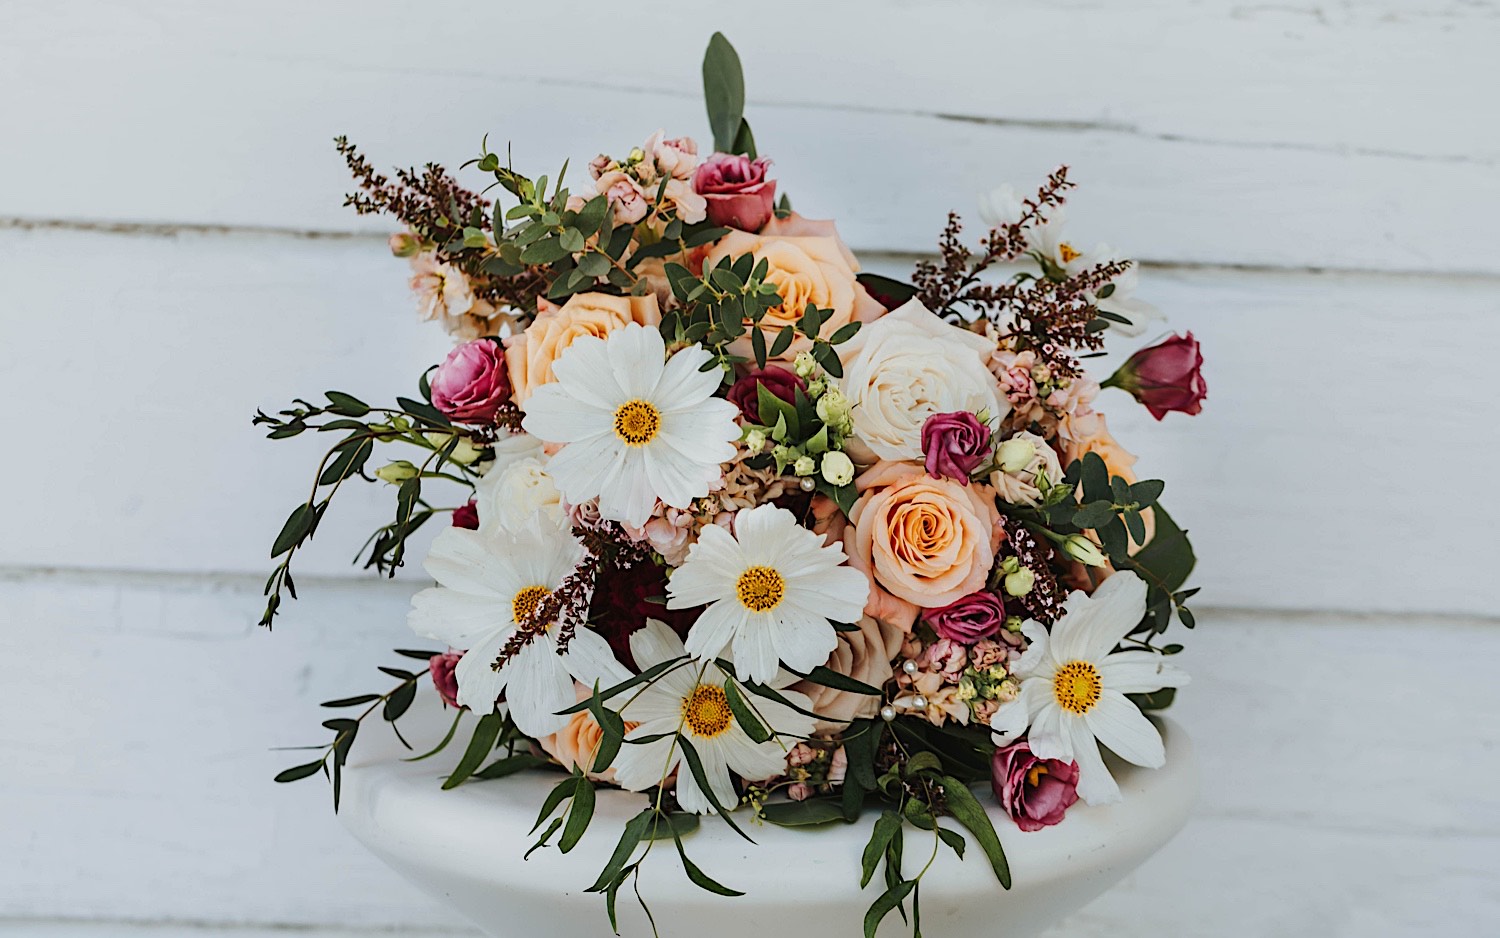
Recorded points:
(523, 606)
(1034, 777)
(760, 589)
(1067, 252)
(1077, 686)
(637, 422)
(706, 711)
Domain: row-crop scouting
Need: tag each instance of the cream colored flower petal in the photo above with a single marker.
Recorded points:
(583, 372)
(690, 796)
(1121, 726)
(638, 767)
(625, 493)
(655, 643)
(802, 641)
(479, 685)
(677, 480)
(1010, 721)
(754, 649)
(466, 560)
(1095, 784)
(590, 660)
(1140, 672)
(682, 384)
(1036, 661)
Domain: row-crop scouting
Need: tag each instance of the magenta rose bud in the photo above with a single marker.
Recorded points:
(955, 444)
(737, 191)
(1036, 793)
(442, 667)
(1166, 377)
(975, 616)
(466, 516)
(780, 382)
(472, 382)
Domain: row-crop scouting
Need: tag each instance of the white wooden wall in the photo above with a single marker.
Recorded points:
(1315, 189)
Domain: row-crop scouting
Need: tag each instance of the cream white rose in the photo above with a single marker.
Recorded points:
(903, 368)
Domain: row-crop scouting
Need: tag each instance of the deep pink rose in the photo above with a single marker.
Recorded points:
(737, 191)
(472, 382)
(780, 382)
(1167, 376)
(466, 516)
(441, 667)
(1034, 792)
(956, 444)
(976, 616)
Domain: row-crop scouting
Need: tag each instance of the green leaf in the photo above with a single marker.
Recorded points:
(953, 839)
(423, 411)
(783, 341)
(486, 731)
(695, 765)
(1169, 557)
(560, 792)
(744, 714)
(1093, 515)
(350, 701)
(1147, 491)
(580, 812)
(844, 333)
(1095, 477)
(594, 264)
(542, 841)
(544, 251)
(837, 681)
(697, 876)
(678, 824)
(570, 240)
(646, 676)
(510, 765)
(299, 771)
(443, 743)
(1156, 700)
(809, 813)
(967, 810)
(885, 828)
(723, 91)
(298, 525)
(347, 405)
(630, 838)
(889, 293)
(744, 140)
(399, 702)
(888, 901)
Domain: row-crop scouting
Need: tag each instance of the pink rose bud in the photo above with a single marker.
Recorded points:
(737, 191)
(466, 516)
(780, 382)
(441, 668)
(1165, 377)
(974, 617)
(1036, 793)
(472, 382)
(955, 444)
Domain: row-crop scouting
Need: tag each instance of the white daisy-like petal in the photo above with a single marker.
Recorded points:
(1037, 659)
(1140, 672)
(585, 375)
(585, 465)
(1095, 784)
(1124, 729)
(753, 649)
(1010, 721)
(565, 419)
(636, 360)
(456, 619)
(463, 560)
(1050, 733)
(539, 686)
(479, 684)
(590, 660)
(683, 381)
(1113, 610)
(714, 630)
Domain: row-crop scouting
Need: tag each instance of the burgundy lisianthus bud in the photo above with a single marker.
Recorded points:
(955, 444)
(737, 191)
(466, 516)
(1036, 793)
(441, 668)
(975, 616)
(778, 381)
(472, 382)
(1167, 376)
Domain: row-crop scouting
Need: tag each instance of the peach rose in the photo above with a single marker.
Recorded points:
(796, 226)
(804, 270)
(864, 655)
(925, 542)
(530, 355)
(575, 745)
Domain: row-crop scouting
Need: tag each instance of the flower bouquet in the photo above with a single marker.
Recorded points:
(731, 523)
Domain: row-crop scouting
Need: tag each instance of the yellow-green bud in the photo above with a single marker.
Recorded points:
(1010, 564)
(397, 472)
(804, 364)
(838, 469)
(465, 453)
(833, 409)
(755, 440)
(1015, 455)
(1012, 623)
(1020, 582)
(1083, 550)
(804, 466)
(405, 244)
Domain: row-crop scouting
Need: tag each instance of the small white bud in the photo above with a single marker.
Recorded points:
(804, 364)
(1083, 550)
(804, 466)
(838, 469)
(397, 472)
(1020, 582)
(1015, 455)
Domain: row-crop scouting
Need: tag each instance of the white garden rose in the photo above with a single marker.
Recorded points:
(903, 368)
(515, 484)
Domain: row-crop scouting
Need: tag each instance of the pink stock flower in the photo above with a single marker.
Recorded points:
(441, 668)
(737, 191)
(1166, 377)
(975, 616)
(472, 382)
(947, 658)
(955, 445)
(629, 202)
(1034, 792)
(466, 516)
(779, 381)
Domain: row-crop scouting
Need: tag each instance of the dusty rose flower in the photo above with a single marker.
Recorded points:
(978, 615)
(676, 157)
(441, 668)
(1034, 792)
(955, 444)
(467, 515)
(779, 381)
(800, 755)
(1166, 377)
(737, 191)
(627, 200)
(472, 382)
(987, 653)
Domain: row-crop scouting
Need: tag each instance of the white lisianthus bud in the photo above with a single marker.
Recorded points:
(833, 409)
(816, 387)
(838, 469)
(1020, 582)
(397, 472)
(1015, 454)
(1083, 550)
(804, 364)
(804, 466)
(755, 440)
(465, 453)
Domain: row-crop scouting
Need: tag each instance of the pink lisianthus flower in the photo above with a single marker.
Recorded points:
(1166, 377)
(1036, 793)
(467, 516)
(737, 191)
(441, 668)
(472, 382)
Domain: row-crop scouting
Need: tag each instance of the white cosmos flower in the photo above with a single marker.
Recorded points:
(1122, 301)
(691, 700)
(1073, 687)
(637, 429)
(771, 588)
(490, 579)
